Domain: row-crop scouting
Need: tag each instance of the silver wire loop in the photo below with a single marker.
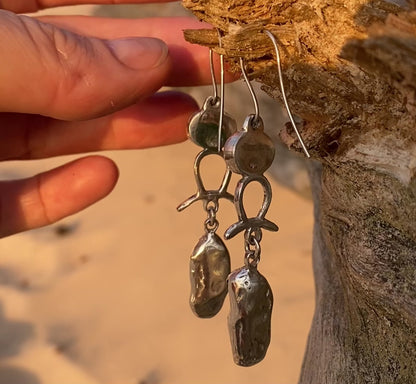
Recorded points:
(282, 87)
(250, 88)
(253, 234)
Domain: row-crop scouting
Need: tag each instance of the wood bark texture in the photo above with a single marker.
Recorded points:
(350, 75)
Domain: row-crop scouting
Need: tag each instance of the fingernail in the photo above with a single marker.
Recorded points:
(140, 53)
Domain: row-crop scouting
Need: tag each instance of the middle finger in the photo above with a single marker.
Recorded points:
(159, 120)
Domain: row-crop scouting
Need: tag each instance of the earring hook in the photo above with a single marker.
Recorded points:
(250, 88)
(222, 91)
(279, 68)
(213, 79)
(215, 89)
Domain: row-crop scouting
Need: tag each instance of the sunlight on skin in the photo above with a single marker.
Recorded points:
(73, 93)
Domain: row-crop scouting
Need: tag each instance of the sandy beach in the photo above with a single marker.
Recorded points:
(102, 297)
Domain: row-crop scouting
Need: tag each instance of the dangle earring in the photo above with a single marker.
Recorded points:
(250, 152)
(210, 260)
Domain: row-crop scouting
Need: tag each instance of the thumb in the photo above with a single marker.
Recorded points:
(53, 72)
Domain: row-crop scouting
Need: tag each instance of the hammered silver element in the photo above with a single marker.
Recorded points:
(203, 125)
(249, 321)
(249, 151)
(209, 268)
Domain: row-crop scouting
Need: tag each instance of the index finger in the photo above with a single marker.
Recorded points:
(190, 62)
(20, 6)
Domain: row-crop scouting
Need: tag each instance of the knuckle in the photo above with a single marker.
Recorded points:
(69, 62)
(73, 55)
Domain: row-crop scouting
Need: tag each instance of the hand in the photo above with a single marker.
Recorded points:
(79, 84)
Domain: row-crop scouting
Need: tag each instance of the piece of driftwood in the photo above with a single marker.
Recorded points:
(350, 74)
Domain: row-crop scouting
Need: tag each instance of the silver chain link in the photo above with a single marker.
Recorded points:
(211, 223)
(252, 238)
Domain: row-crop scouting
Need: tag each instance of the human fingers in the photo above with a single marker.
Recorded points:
(35, 5)
(54, 72)
(190, 62)
(50, 196)
(159, 120)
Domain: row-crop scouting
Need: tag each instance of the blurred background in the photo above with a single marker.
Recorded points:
(102, 296)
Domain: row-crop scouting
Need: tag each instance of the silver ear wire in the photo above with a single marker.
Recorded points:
(222, 91)
(250, 88)
(282, 87)
(215, 89)
(214, 80)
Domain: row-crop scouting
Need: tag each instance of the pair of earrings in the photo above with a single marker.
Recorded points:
(248, 152)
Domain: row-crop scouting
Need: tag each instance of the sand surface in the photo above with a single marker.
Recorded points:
(102, 297)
